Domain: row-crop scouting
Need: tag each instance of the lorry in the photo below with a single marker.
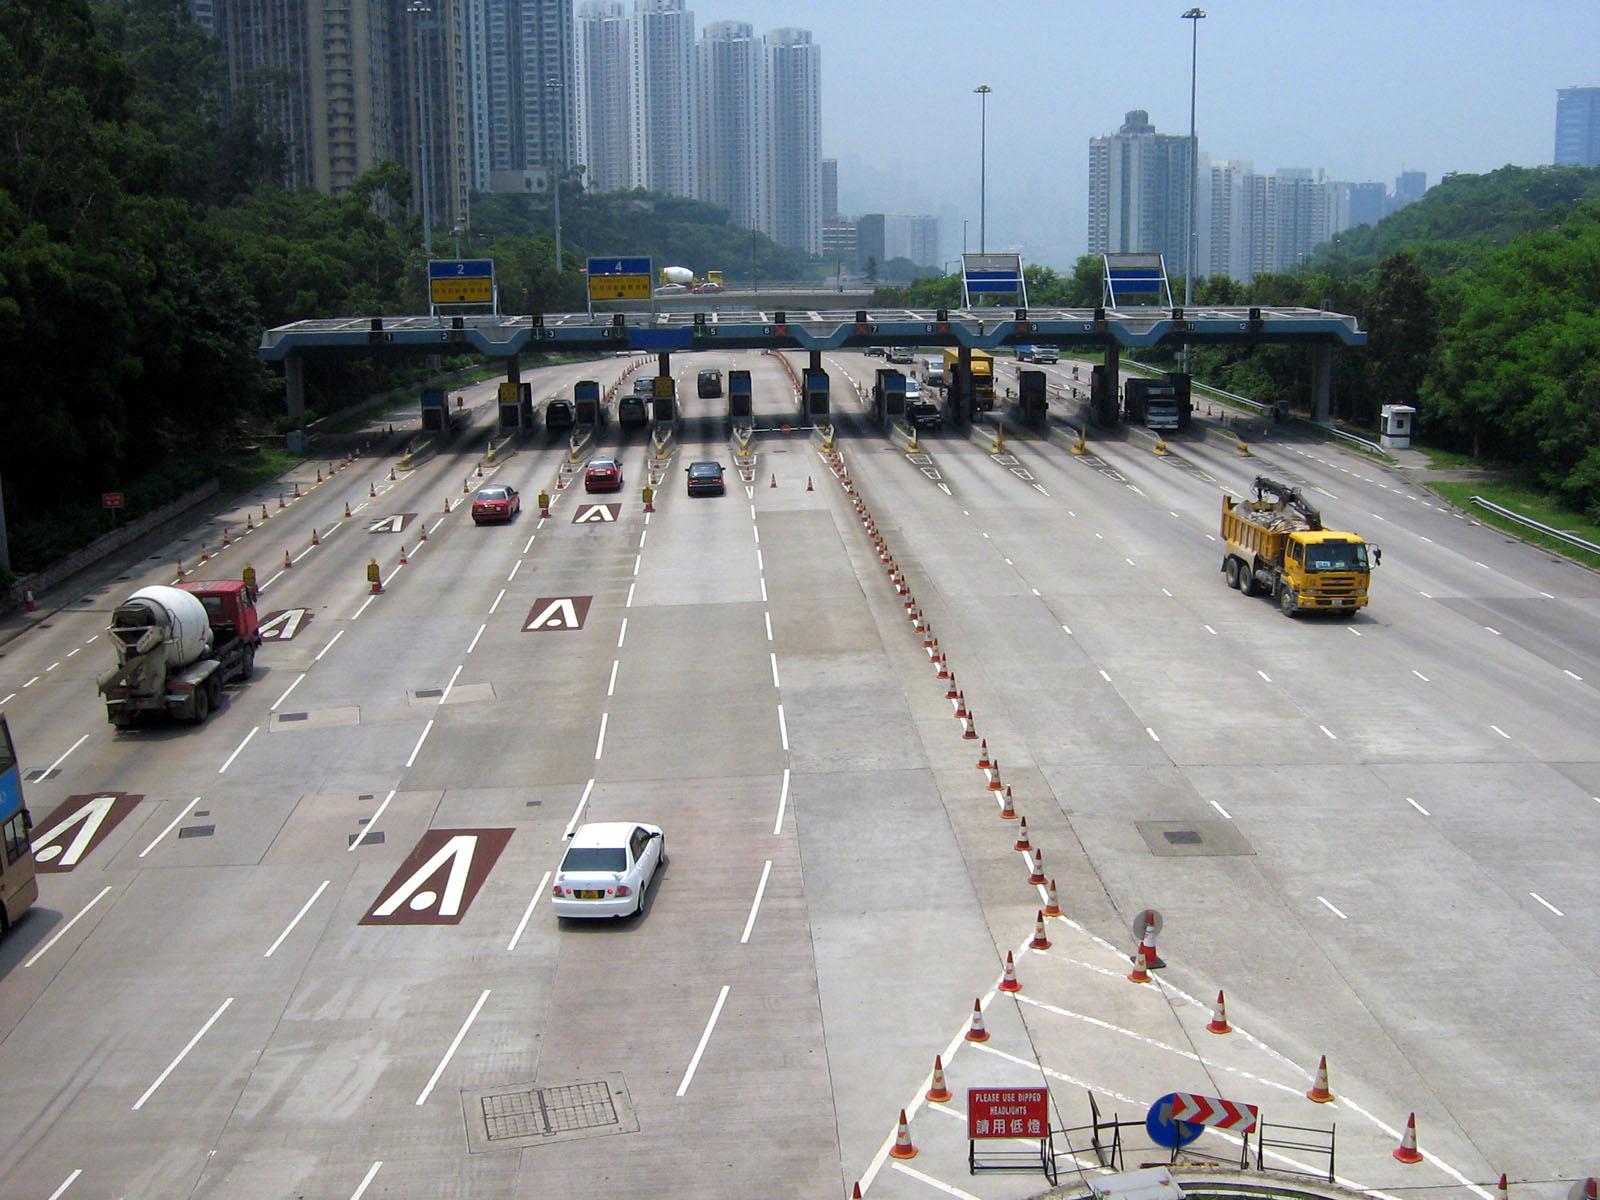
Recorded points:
(1161, 404)
(1276, 546)
(682, 279)
(177, 646)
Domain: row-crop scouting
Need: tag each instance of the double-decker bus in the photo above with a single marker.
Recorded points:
(18, 887)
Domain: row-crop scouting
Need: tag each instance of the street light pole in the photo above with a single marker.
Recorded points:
(554, 85)
(1192, 241)
(983, 90)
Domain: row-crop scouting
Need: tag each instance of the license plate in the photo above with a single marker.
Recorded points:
(588, 895)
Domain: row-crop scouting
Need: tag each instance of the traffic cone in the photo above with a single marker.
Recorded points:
(347, 508)
(423, 536)
(1040, 941)
(1319, 1090)
(281, 504)
(465, 489)
(774, 482)
(181, 571)
(265, 515)
(1036, 875)
(1022, 835)
(970, 733)
(1008, 981)
(249, 523)
(938, 1092)
(1052, 906)
(950, 692)
(809, 488)
(297, 490)
(994, 780)
(315, 540)
(287, 561)
(1145, 957)
(1219, 1020)
(372, 489)
(1407, 1151)
(204, 553)
(1502, 1192)
(1008, 811)
(902, 1147)
(962, 712)
(976, 1032)
(391, 474)
(447, 505)
(319, 474)
(28, 601)
(983, 756)
(226, 540)
(402, 553)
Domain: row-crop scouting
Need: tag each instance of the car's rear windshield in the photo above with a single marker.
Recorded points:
(705, 469)
(492, 493)
(595, 858)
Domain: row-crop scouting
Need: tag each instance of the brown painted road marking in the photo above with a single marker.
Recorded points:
(88, 819)
(393, 523)
(281, 624)
(436, 883)
(557, 612)
(593, 514)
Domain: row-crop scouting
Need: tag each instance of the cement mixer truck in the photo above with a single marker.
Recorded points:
(177, 646)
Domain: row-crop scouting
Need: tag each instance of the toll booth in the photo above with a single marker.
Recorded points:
(664, 401)
(889, 395)
(1395, 422)
(741, 397)
(1102, 397)
(589, 409)
(960, 399)
(516, 407)
(435, 411)
(814, 394)
(1033, 403)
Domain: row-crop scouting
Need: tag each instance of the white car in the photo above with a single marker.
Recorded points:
(607, 869)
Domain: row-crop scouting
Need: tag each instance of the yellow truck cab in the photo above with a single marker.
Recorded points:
(1278, 547)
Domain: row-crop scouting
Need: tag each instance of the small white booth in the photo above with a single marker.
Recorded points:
(1394, 426)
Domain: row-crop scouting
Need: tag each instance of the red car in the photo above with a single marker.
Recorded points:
(603, 475)
(495, 502)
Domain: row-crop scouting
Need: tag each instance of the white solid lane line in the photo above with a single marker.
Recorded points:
(42, 950)
(1332, 909)
(611, 687)
(783, 728)
(63, 757)
(286, 692)
(528, 912)
(578, 812)
(694, 1063)
(238, 748)
(304, 909)
(1547, 904)
(372, 822)
(445, 695)
(66, 1183)
(422, 737)
(173, 1065)
(755, 905)
(372, 1173)
(329, 646)
(622, 633)
(600, 742)
(455, 1044)
(1418, 807)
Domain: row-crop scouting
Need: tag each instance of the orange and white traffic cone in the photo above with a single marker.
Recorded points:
(315, 540)
(1036, 874)
(983, 756)
(347, 508)
(297, 491)
(994, 778)
(287, 561)
(1040, 940)
(319, 474)
(281, 504)
(1407, 1151)
(1008, 810)
(402, 554)
(902, 1147)
(969, 733)
(938, 1092)
(1009, 981)
(1145, 957)
(265, 515)
(774, 482)
(423, 535)
(962, 712)
(391, 474)
(28, 602)
(1052, 907)
(1219, 1018)
(226, 540)
(1022, 842)
(809, 488)
(372, 489)
(1319, 1090)
(976, 1032)
(249, 523)
(951, 693)
(1501, 1191)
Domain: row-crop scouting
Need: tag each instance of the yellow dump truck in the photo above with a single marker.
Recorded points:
(1276, 546)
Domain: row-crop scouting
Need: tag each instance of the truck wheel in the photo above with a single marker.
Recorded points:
(1247, 578)
(202, 705)
(1230, 570)
(1288, 601)
(214, 691)
(248, 666)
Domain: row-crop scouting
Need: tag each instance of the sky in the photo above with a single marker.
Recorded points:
(1360, 88)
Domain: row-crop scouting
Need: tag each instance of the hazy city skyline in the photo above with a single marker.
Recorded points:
(1358, 88)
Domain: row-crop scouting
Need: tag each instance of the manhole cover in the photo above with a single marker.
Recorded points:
(1208, 838)
(189, 831)
(531, 1114)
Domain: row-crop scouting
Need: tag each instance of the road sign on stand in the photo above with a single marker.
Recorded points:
(1215, 1112)
(1163, 1130)
(619, 278)
(461, 281)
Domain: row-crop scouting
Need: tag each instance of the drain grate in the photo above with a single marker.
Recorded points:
(197, 831)
(374, 838)
(533, 1115)
(1182, 837)
(1203, 838)
(429, 693)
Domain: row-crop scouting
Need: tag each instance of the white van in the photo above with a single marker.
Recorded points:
(933, 372)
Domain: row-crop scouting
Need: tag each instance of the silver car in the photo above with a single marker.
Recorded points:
(607, 869)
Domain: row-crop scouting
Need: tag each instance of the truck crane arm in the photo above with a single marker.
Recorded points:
(1286, 496)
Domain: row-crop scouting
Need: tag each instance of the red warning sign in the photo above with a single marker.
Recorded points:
(439, 878)
(1008, 1112)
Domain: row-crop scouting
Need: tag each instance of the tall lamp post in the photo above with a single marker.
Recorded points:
(554, 86)
(419, 10)
(1192, 242)
(983, 90)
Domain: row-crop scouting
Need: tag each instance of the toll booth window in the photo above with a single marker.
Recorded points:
(16, 838)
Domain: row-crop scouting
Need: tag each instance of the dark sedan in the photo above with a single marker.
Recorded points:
(705, 479)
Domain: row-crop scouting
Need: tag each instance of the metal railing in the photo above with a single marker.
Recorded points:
(1351, 438)
(1560, 535)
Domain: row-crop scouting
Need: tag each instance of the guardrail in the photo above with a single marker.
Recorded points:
(1349, 437)
(1560, 535)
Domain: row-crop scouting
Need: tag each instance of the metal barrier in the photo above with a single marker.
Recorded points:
(1349, 437)
(1315, 1141)
(1560, 535)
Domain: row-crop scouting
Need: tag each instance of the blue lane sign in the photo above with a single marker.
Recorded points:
(461, 281)
(1164, 1131)
(461, 268)
(619, 266)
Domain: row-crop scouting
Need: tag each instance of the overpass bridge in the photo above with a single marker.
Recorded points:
(721, 323)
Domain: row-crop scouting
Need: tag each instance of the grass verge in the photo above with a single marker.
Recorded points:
(1529, 503)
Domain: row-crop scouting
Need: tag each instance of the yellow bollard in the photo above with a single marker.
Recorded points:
(649, 495)
(1161, 447)
(544, 503)
(249, 576)
(373, 577)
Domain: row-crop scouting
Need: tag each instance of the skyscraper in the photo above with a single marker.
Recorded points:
(522, 90)
(661, 96)
(794, 153)
(1139, 191)
(1578, 126)
(830, 189)
(732, 121)
(604, 140)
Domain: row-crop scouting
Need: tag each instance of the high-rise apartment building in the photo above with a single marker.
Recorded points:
(604, 137)
(830, 190)
(794, 149)
(1139, 191)
(661, 98)
(1578, 126)
(522, 91)
(732, 121)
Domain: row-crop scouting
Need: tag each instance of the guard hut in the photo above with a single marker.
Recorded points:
(1394, 426)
